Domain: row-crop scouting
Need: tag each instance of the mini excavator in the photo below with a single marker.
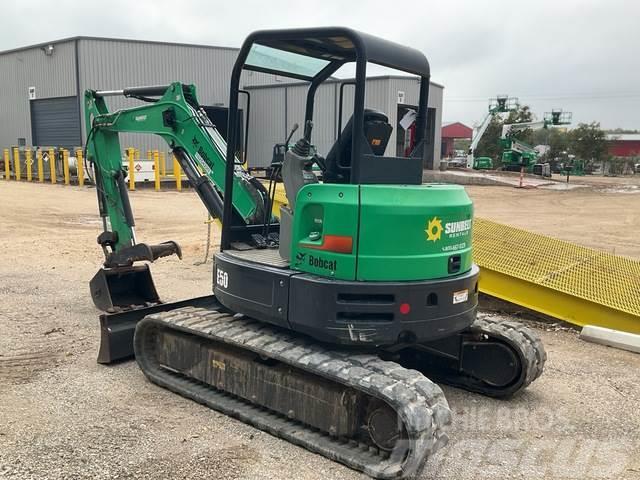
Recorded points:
(331, 319)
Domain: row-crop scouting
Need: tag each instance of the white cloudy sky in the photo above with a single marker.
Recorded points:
(579, 55)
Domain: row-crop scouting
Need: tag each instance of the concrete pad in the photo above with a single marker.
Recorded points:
(476, 177)
(612, 338)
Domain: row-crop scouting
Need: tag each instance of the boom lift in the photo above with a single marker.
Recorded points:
(498, 105)
(324, 325)
(518, 154)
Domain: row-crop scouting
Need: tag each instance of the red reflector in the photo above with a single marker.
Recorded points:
(405, 308)
(332, 243)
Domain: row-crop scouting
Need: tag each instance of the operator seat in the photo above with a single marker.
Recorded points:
(377, 131)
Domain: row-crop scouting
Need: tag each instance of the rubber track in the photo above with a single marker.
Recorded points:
(419, 402)
(527, 346)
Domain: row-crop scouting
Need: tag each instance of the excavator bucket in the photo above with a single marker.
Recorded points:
(123, 288)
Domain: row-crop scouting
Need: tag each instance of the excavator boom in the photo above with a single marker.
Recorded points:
(124, 290)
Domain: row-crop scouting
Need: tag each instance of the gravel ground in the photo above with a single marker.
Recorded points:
(64, 416)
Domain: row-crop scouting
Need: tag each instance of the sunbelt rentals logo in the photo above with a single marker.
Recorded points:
(435, 229)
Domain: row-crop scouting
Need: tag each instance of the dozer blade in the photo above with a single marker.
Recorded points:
(127, 294)
(123, 288)
(117, 329)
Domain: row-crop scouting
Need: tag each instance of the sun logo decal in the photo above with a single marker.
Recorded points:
(434, 229)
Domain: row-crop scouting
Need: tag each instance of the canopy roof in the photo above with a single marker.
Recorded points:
(306, 52)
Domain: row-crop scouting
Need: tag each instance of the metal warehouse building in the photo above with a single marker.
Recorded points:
(41, 88)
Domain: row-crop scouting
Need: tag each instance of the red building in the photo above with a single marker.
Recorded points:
(451, 131)
(621, 144)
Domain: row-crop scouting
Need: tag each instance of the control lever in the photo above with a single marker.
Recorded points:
(293, 130)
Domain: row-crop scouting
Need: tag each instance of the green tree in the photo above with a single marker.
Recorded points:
(588, 142)
(558, 141)
(522, 115)
(489, 145)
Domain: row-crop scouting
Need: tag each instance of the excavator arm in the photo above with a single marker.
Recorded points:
(123, 287)
(176, 117)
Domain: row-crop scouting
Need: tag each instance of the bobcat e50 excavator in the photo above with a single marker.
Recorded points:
(329, 320)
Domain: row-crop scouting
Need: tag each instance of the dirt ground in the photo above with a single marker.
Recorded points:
(64, 416)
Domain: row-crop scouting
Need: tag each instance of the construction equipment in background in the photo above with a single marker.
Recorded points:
(498, 105)
(574, 166)
(327, 323)
(518, 155)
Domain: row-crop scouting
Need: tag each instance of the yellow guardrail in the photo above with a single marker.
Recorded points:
(40, 166)
(52, 165)
(65, 167)
(19, 163)
(80, 167)
(16, 163)
(28, 163)
(132, 170)
(7, 165)
(177, 173)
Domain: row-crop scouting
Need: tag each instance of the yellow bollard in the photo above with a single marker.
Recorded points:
(7, 168)
(156, 169)
(177, 173)
(80, 168)
(149, 155)
(163, 165)
(132, 170)
(28, 162)
(40, 166)
(16, 163)
(137, 152)
(52, 165)
(65, 166)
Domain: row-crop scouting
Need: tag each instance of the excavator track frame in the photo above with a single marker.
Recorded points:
(418, 402)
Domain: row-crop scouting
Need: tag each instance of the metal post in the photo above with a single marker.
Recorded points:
(28, 161)
(177, 173)
(132, 180)
(40, 166)
(149, 155)
(65, 166)
(80, 168)
(16, 163)
(52, 165)
(156, 169)
(521, 176)
(7, 168)
(163, 165)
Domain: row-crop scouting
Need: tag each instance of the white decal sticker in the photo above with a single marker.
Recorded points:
(460, 296)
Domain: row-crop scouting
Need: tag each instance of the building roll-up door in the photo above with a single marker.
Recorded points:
(55, 122)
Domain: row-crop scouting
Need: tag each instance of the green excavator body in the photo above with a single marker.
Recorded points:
(382, 232)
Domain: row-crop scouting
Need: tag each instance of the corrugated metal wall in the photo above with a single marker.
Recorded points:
(111, 64)
(52, 76)
(268, 108)
(114, 64)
